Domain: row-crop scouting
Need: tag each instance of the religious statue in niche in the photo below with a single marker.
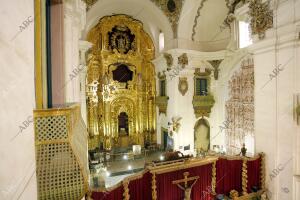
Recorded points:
(202, 135)
(183, 85)
(121, 39)
(183, 184)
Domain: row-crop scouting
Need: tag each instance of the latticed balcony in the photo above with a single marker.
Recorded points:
(203, 104)
(61, 153)
(162, 103)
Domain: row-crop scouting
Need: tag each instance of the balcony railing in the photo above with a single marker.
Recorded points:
(61, 153)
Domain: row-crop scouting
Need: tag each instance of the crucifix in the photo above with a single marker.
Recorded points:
(183, 184)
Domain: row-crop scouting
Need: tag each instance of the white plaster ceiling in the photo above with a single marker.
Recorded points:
(207, 31)
(208, 36)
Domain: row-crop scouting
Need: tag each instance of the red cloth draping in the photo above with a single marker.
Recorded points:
(253, 168)
(200, 191)
(229, 175)
(116, 194)
(140, 189)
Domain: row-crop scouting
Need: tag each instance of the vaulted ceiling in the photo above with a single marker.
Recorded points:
(198, 22)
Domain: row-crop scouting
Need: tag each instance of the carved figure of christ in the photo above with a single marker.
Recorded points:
(185, 186)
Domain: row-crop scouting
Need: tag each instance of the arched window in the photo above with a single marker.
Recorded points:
(244, 34)
(161, 41)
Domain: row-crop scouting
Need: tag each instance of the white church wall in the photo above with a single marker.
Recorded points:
(275, 129)
(17, 168)
(74, 22)
(181, 106)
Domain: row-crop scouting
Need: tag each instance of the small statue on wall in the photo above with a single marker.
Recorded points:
(175, 125)
(243, 150)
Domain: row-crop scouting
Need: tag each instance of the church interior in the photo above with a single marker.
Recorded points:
(150, 100)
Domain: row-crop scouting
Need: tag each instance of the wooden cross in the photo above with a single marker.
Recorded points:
(186, 188)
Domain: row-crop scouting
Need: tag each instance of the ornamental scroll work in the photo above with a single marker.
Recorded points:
(261, 17)
(183, 85)
(172, 9)
(121, 39)
(240, 107)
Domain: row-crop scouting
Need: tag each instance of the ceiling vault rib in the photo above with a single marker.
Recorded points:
(196, 18)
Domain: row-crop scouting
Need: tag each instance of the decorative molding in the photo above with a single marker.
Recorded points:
(162, 103)
(183, 60)
(196, 18)
(215, 64)
(232, 5)
(172, 9)
(169, 60)
(183, 85)
(240, 107)
(89, 3)
(161, 75)
(261, 17)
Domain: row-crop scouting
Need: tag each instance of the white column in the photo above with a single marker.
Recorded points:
(75, 16)
(83, 47)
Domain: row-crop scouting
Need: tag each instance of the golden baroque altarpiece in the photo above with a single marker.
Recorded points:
(120, 81)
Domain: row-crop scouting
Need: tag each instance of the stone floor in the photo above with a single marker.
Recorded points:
(123, 166)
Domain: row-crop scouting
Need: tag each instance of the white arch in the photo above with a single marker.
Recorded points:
(147, 12)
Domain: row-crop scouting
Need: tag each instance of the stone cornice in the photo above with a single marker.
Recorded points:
(287, 37)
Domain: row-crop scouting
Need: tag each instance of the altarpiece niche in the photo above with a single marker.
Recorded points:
(121, 110)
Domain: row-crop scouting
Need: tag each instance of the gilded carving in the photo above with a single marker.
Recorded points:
(261, 17)
(126, 190)
(121, 79)
(244, 177)
(183, 85)
(203, 103)
(262, 171)
(214, 178)
(121, 39)
(154, 192)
